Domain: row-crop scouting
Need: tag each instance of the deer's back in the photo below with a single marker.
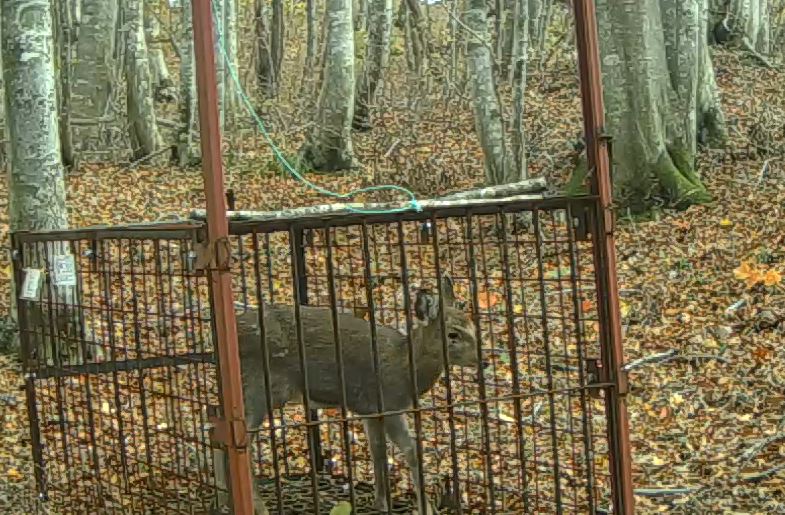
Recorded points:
(324, 385)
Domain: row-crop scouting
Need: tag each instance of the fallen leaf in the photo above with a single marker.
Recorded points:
(772, 278)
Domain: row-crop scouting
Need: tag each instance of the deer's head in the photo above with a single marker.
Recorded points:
(458, 325)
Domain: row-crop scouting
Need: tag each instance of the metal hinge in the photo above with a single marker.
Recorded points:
(597, 378)
(581, 221)
(594, 377)
(214, 255)
(229, 432)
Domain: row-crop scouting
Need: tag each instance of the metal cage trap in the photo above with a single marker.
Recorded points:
(463, 358)
(122, 377)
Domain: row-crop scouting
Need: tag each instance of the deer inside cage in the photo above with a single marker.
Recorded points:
(463, 338)
(434, 362)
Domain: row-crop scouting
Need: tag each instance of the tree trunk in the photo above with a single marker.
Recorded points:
(520, 59)
(310, 35)
(750, 20)
(142, 124)
(93, 74)
(277, 34)
(65, 37)
(418, 37)
(269, 46)
(36, 177)
(159, 72)
(37, 185)
(745, 22)
(188, 144)
(658, 97)
(329, 146)
(499, 168)
(229, 100)
(377, 56)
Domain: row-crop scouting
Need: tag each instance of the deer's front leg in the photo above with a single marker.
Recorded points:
(397, 429)
(374, 430)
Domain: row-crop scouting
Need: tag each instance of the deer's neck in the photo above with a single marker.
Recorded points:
(428, 356)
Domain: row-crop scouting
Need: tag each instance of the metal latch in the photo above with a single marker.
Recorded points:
(214, 255)
(230, 432)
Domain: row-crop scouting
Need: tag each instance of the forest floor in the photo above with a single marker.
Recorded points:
(702, 285)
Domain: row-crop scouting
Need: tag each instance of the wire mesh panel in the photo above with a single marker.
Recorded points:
(117, 351)
(499, 388)
(449, 357)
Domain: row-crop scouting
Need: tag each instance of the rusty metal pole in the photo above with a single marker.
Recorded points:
(599, 170)
(231, 429)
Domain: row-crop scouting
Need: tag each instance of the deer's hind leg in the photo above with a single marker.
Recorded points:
(256, 409)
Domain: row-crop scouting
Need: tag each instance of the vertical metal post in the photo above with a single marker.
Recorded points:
(232, 429)
(29, 366)
(302, 287)
(598, 167)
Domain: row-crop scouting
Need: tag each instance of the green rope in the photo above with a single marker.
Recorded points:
(413, 203)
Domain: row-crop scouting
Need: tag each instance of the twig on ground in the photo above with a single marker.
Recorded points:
(653, 358)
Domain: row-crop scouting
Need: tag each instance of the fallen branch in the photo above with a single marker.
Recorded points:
(762, 444)
(148, 157)
(654, 358)
(762, 475)
(535, 185)
(666, 492)
(341, 209)
(670, 355)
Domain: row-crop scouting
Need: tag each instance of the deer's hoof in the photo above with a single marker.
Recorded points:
(380, 505)
(259, 508)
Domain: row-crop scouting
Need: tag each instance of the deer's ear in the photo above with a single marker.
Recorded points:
(426, 306)
(448, 290)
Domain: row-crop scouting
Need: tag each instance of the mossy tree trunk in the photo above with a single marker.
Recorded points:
(328, 147)
(660, 96)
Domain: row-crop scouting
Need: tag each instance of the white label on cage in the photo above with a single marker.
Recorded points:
(64, 270)
(31, 284)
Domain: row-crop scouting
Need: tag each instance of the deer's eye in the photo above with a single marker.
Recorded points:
(453, 335)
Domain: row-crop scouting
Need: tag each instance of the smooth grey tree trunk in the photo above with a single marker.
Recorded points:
(328, 146)
(499, 166)
(658, 97)
(36, 180)
(310, 35)
(142, 123)
(752, 23)
(188, 139)
(518, 75)
(229, 101)
(418, 37)
(377, 56)
(93, 74)
(744, 22)
(159, 71)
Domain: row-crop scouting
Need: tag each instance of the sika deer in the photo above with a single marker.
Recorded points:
(360, 381)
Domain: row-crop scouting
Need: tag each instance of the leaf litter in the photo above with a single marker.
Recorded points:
(702, 296)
